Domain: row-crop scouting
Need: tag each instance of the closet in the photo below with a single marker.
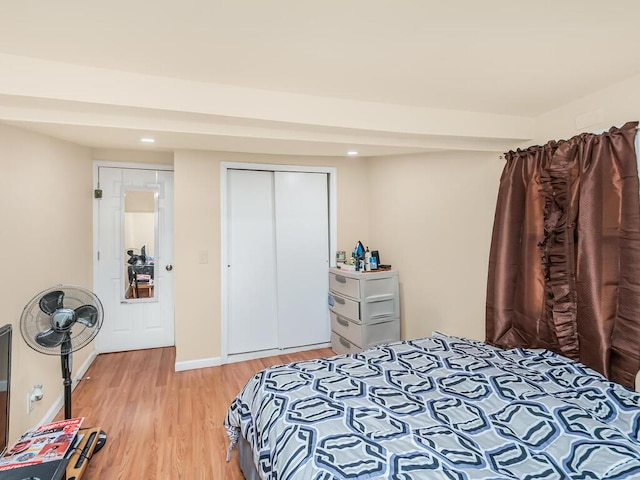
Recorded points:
(277, 260)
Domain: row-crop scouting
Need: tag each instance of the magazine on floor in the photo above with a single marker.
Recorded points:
(45, 443)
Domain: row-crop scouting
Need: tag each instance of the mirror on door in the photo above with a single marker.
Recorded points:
(140, 234)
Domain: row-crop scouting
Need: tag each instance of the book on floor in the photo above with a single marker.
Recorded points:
(46, 443)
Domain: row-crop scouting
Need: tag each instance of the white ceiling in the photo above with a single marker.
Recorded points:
(504, 57)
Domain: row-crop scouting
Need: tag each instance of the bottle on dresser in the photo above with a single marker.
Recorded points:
(367, 260)
(373, 261)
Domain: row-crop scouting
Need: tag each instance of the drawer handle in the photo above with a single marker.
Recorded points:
(339, 300)
(342, 321)
(344, 342)
(380, 315)
(341, 279)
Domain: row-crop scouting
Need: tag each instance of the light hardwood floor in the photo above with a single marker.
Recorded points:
(162, 424)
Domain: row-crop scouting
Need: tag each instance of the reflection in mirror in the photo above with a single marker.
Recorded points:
(140, 233)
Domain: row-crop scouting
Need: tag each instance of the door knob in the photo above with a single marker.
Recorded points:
(169, 267)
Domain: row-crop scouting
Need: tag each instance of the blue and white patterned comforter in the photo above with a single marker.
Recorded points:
(438, 408)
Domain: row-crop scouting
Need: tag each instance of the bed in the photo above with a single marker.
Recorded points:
(441, 407)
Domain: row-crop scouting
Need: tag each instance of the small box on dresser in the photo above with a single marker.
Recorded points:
(364, 309)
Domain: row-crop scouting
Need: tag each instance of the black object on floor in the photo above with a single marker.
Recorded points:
(54, 470)
(102, 439)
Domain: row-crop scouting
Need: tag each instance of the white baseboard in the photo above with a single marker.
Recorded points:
(241, 357)
(200, 363)
(59, 403)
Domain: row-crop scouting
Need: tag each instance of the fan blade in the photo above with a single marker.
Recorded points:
(87, 315)
(50, 338)
(51, 302)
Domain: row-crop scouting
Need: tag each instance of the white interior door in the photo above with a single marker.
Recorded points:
(302, 250)
(139, 323)
(251, 276)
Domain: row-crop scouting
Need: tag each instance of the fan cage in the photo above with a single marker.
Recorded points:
(34, 321)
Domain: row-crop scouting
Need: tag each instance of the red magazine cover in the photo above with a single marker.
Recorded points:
(45, 443)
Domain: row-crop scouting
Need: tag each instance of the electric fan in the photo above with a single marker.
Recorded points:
(60, 321)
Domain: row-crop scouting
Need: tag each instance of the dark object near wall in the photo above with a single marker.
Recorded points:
(6, 345)
(54, 470)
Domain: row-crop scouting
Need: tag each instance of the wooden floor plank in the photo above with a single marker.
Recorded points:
(160, 423)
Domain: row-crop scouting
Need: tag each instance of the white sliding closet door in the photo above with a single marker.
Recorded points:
(252, 313)
(278, 252)
(302, 250)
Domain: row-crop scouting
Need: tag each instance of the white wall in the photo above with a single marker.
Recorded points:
(45, 240)
(198, 228)
(615, 105)
(139, 230)
(133, 156)
(431, 218)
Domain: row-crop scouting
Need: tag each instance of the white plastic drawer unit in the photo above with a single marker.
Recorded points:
(344, 306)
(342, 346)
(376, 289)
(372, 312)
(364, 287)
(345, 286)
(364, 309)
(365, 336)
(365, 313)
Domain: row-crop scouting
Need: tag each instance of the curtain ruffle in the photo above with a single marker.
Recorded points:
(557, 253)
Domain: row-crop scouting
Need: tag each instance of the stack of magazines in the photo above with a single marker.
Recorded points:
(46, 443)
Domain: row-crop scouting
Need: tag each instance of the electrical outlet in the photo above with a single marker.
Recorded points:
(34, 396)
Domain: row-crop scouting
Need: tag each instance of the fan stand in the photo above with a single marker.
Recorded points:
(65, 359)
(67, 365)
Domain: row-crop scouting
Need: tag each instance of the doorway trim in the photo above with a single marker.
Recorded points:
(333, 237)
(96, 210)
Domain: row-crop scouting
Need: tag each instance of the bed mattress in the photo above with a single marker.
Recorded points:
(438, 407)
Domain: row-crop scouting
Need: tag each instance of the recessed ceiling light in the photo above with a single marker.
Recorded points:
(148, 140)
(352, 153)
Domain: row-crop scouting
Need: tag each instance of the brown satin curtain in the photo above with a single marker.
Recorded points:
(564, 267)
